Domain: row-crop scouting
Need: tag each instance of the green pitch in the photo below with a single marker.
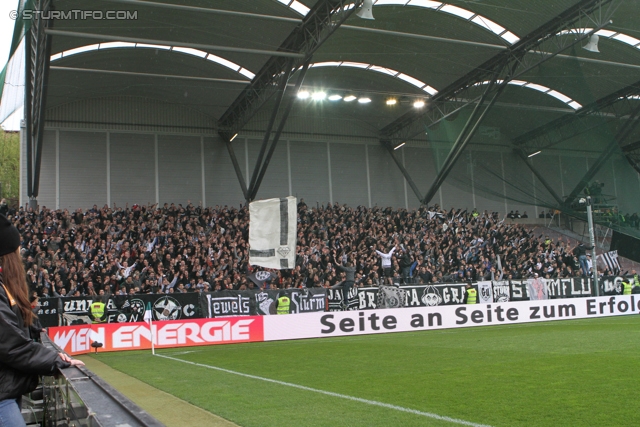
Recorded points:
(569, 373)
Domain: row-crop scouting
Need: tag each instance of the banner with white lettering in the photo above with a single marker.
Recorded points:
(166, 334)
(250, 303)
(120, 308)
(415, 296)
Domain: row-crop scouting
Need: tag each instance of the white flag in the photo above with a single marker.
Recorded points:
(272, 233)
(147, 313)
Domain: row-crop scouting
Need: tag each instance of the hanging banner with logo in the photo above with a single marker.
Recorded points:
(537, 289)
(501, 291)
(335, 299)
(391, 297)
(272, 233)
(163, 306)
(485, 292)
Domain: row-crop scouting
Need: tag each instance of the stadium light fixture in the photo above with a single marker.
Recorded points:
(303, 94)
(399, 145)
(366, 11)
(364, 100)
(592, 45)
(334, 97)
(535, 154)
(392, 101)
(233, 137)
(419, 104)
(318, 96)
(349, 98)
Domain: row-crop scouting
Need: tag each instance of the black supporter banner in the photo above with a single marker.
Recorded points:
(251, 303)
(131, 308)
(335, 299)
(415, 296)
(120, 308)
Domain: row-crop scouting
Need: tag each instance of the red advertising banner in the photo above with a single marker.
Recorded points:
(168, 334)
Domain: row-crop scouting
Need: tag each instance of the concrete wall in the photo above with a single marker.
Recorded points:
(85, 167)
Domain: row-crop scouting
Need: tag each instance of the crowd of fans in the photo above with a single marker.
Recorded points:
(175, 248)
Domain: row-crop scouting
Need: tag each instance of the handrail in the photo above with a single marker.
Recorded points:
(77, 396)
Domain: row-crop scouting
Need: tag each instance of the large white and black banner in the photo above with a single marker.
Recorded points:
(272, 233)
(251, 303)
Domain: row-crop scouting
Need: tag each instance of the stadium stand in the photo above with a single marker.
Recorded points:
(175, 248)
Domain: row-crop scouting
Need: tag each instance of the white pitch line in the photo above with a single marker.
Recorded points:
(330, 393)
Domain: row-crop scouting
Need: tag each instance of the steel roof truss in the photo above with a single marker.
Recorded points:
(318, 25)
(536, 48)
(282, 86)
(616, 142)
(38, 53)
(276, 137)
(617, 106)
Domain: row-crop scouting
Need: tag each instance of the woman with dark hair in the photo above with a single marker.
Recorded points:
(22, 359)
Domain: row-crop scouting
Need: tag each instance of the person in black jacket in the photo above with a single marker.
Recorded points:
(22, 359)
(348, 282)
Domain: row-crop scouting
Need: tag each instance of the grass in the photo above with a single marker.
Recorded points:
(569, 373)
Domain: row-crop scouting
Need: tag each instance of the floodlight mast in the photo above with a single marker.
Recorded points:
(594, 263)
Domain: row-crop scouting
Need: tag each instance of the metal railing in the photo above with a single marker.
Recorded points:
(76, 397)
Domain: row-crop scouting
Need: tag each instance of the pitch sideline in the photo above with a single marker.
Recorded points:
(330, 393)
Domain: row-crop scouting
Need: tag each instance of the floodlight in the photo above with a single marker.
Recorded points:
(303, 94)
(318, 96)
(592, 45)
(349, 98)
(366, 11)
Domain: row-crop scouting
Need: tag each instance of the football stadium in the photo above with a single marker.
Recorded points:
(319, 213)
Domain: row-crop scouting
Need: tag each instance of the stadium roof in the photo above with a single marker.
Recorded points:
(412, 50)
(393, 77)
